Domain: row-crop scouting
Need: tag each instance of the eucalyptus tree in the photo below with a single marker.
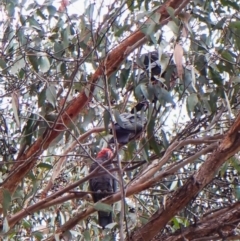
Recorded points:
(70, 69)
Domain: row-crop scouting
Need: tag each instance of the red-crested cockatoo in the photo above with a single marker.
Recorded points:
(104, 185)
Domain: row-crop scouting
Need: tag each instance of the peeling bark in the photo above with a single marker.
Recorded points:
(181, 197)
(219, 225)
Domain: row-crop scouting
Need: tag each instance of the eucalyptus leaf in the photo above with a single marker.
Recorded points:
(86, 235)
(51, 95)
(38, 235)
(44, 64)
(192, 101)
(58, 49)
(102, 207)
(33, 59)
(7, 199)
(164, 139)
(45, 166)
(6, 226)
(3, 64)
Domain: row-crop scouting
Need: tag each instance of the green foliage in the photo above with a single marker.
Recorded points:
(102, 207)
(6, 201)
(49, 55)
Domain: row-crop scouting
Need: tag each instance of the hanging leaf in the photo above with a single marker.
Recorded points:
(18, 65)
(164, 139)
(185, 16)
(151, 25)
(7, 199)
(131, 147)
(3, 64)
(151, 138)
(28, 130)
(178, 58)
(45, 166)
(144, 90)
(86, 235)
(237, 192)
(58, 49)
(187, 81)
(172, 25)
(130, 4)
(171, 12)
(51, 10)
(118, 118)
(192, 101)
(44, 64)
(15, 106)
(6, 227)
(42, 98)
(164, 62)
(34, 23)
(65, 36)
(38, 235)
(10, 7)
(102, 207)
(123, 77)
(89, 11)
(235, 79)
(51, 95)
(57, 236)
(63, 68)
(145, 148)
(163, 95)
(33, 59)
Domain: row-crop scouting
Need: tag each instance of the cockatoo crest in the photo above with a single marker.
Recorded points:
(105, 153)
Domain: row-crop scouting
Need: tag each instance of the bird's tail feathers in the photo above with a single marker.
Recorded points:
(121, 139)
(104, 218)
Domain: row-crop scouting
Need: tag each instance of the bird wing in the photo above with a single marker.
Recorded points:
(103, 185)
(132, 122)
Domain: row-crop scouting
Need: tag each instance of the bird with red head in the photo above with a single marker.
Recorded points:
(104, 185)
(105, 154)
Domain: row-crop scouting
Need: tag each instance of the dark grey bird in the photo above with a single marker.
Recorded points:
(129, 126)
(103, 186)
(150, 65)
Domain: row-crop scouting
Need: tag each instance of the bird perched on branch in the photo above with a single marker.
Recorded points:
(150, 67)
(151, 63)
(150, 81)
(104, 185)
(129, 126)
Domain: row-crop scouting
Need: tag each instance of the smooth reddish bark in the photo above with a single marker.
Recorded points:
(108, 66)
(226, 149)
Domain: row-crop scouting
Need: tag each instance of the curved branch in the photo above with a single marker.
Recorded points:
(215, 225)
(108, 66)
(58, 167)
(181, 197)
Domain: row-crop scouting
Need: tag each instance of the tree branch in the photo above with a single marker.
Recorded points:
(223, 222)
(181, 197)
(58, 167)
